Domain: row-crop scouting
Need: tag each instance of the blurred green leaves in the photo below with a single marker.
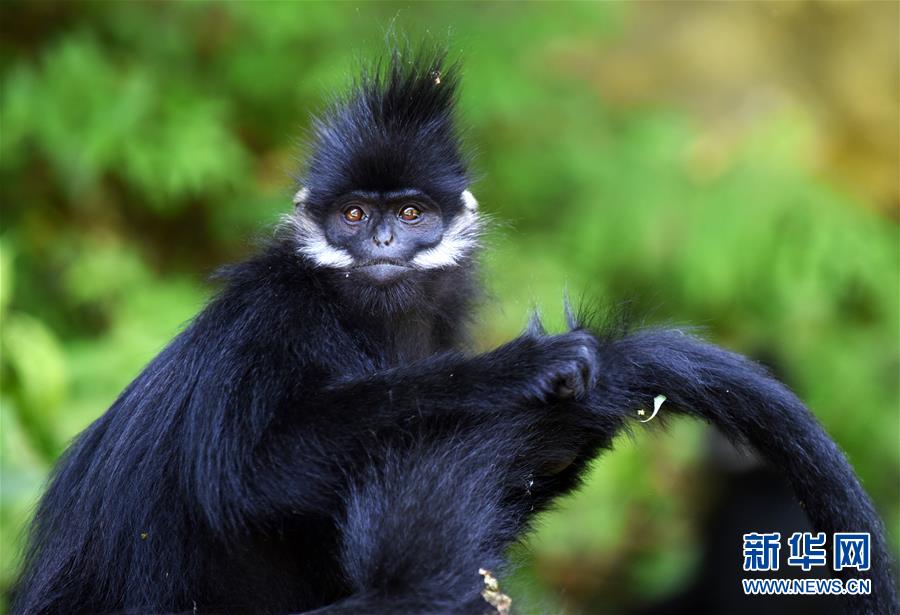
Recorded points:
(92, 118)
(34, 368)
(144, 144)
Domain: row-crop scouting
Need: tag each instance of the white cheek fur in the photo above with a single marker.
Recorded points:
(300, 196)
(310, 241)
(458, 242)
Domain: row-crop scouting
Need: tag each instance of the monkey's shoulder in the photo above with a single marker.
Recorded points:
(272, 288)
(273, 309)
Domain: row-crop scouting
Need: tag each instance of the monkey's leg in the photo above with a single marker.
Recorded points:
(421, 523)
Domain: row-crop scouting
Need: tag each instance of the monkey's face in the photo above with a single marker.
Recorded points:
(384, 233)
(387, 239)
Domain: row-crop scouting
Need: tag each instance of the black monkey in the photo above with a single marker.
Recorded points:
(317, 439)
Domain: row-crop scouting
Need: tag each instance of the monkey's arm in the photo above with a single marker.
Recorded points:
(516, 389)
(529, 368)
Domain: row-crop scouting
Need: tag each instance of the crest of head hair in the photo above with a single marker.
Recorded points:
(395, 130)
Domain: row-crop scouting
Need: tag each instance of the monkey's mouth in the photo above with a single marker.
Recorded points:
(383, 271)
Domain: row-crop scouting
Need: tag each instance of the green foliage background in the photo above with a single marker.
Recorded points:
(684, 172)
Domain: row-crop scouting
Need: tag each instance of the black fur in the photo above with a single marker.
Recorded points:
(291, 450)
(395, 132)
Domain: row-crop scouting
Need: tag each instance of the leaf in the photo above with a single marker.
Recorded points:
(36, 361)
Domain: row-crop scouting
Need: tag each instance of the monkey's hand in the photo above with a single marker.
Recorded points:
(548, 367)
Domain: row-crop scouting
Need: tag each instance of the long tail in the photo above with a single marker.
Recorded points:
(748, 405)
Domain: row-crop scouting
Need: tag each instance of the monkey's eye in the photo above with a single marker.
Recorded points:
(354, 214)
(410, 213)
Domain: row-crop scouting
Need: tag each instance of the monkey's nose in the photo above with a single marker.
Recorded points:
(383, 239)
